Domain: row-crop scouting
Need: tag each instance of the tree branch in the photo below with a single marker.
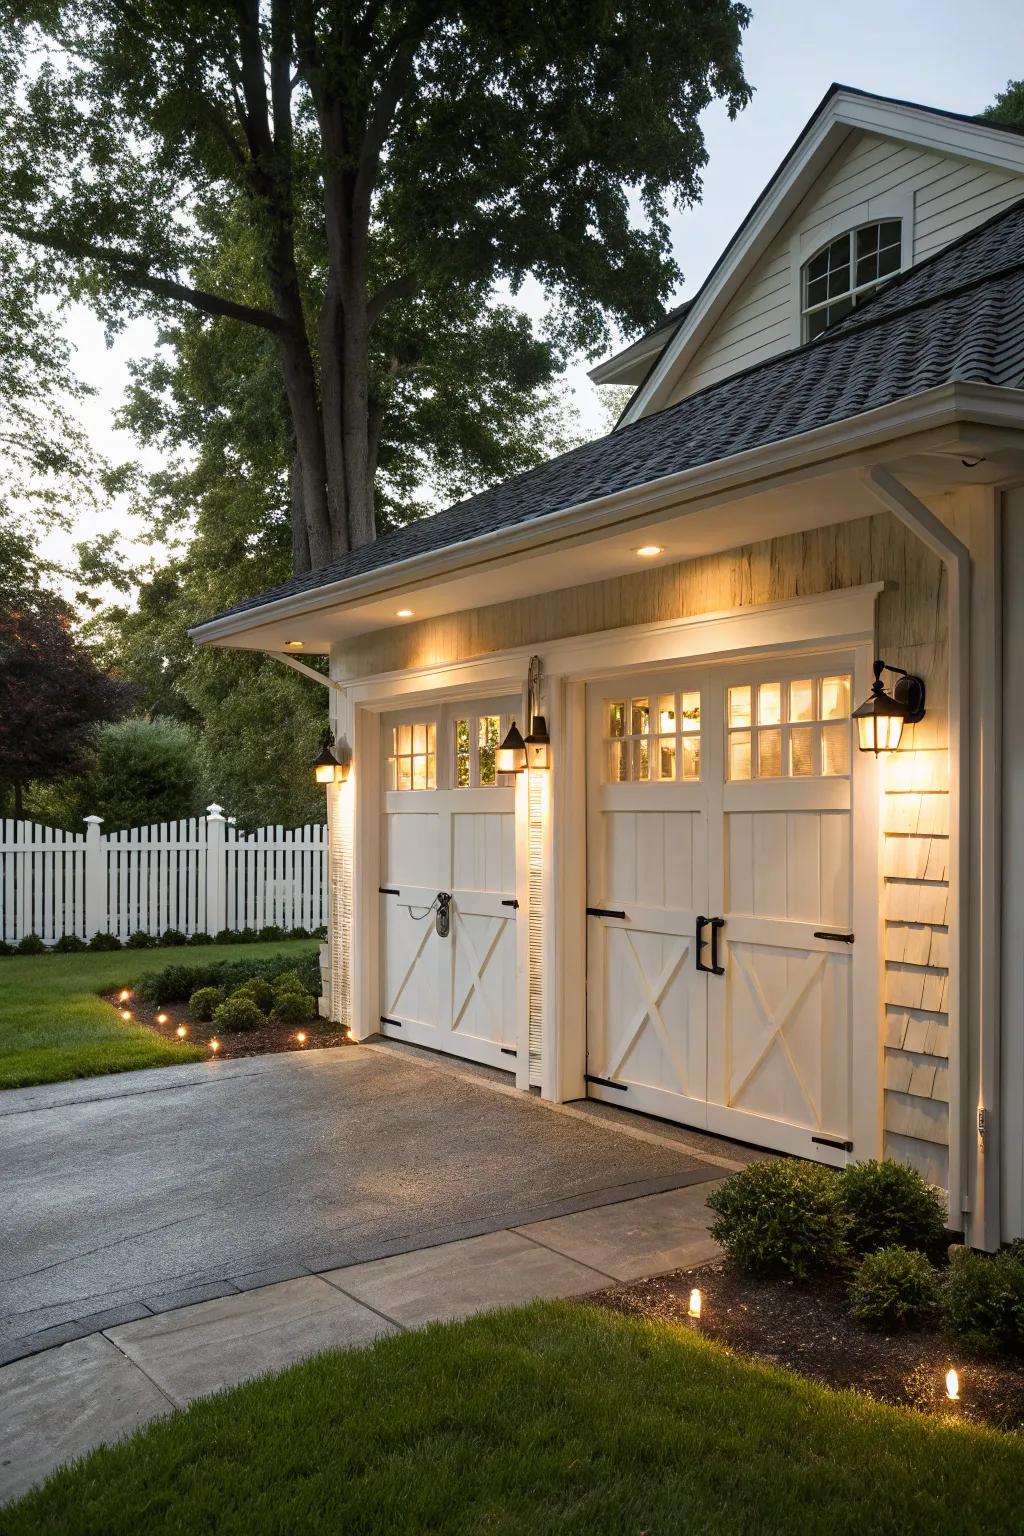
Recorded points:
(390, 293)
(134, 276)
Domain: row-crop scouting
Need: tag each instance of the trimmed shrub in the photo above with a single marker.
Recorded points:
(194, 940)
(287, 981)
(246, 936)
(781, 1217)
(203, 1002)
(31, 944)
(893, 1288)
(140, 940)
(5, 948)
(983, 1300)
(292, 1008)
(298, 933)
(70, 944)
(260, 990)
(320, 933)
(105, 941)
(890, 1205)
(239, 1013)
(172, 938)
(227, 936)
(270, 933)
(176, 983)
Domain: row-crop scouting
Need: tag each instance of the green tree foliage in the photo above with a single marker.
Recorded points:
(351, 182)
(1008, 106)
(136, 771)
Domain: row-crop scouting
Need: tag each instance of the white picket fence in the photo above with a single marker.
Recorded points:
(199, 876)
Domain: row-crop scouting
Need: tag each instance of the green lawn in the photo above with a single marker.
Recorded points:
(552, 1419)
(54, 1025)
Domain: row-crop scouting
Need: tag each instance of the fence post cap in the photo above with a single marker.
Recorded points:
(215, 812)
(92, 821)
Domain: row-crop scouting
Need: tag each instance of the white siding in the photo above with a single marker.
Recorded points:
(869, 177)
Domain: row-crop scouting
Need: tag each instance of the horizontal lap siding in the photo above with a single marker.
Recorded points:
(866, 176)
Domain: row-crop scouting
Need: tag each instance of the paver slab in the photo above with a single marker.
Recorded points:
(637, 1237)
(56, 1406)
(477, 1274)
(216, 1344)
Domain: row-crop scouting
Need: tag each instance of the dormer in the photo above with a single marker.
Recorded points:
(871, 187)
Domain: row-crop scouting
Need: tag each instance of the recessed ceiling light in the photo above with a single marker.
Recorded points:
(295, 645)
(404, 613)
(648, 551)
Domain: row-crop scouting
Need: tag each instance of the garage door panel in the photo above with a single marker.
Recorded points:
(484, 845)
(790, 865)
(484, 985)
(412, 972)
(412, 848)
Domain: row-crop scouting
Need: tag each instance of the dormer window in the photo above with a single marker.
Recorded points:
(847, 271)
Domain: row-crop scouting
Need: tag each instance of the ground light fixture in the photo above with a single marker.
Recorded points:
(696, 1303)
(181, 1031)
(161, 1018)
(301, 1037)
(126, 1014)
(328, 768)
(882, 716)
(953, 1385)
(123, 995)
(214, 1045)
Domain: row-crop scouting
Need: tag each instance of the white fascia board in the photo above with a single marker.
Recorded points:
(843, 113)
(933, 409)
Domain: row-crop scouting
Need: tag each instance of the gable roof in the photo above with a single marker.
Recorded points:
(957, 317)
(842, 109)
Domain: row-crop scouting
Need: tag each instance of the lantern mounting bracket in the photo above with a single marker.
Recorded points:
(908, 690)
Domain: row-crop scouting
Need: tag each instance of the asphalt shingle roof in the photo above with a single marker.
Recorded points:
(957, 317)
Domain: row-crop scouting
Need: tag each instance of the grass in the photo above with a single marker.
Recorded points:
(54, 1025)
(554, 1418)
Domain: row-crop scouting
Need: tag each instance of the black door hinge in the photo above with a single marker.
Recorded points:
(604, 1082)
(605, 912)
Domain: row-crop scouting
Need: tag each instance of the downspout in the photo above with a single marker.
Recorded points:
(974, 1024)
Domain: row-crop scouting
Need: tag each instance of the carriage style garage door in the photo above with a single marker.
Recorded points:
(720, 882)
(448, 883)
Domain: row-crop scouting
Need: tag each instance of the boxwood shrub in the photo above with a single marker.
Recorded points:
(105, 941)
(894, 1288)
(292, 1008)
(781, 1217)
(889, 1204)
(194, 940)
(983, 1300)
(172, 938)
(70, 944)
(260, 990)
(203, 1002)
(176, 983)
(31, 944)
(238, 1013)
(140, 939)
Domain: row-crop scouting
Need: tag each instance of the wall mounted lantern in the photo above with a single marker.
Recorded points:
(511, 755)
(328, 767)
(538, 742)
(882, 716)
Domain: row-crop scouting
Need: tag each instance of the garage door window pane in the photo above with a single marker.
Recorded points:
(801, 700)
(739, 707)
(413, 760)
(835, 698)
(691, 757)
(769, 754)
(769, 704)
(641, 760)
(667, 757)
(618, 762)
(739, 755)
(462, 754)
(689, 709)
(801, 752)
(641, 717)
(488, 736)
(617, 719)
(835, 750)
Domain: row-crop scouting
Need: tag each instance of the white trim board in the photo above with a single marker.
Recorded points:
(838, 617)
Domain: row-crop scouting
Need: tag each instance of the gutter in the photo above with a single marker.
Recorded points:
(944, 406)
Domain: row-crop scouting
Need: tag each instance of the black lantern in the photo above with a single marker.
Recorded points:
(511, 755)
(882, 716)
(538, 744)
(327, 767)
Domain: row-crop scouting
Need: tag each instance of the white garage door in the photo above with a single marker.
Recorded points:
(720, 879)
(448, 886)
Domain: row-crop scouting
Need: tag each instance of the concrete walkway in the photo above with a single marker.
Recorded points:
(57, 1405)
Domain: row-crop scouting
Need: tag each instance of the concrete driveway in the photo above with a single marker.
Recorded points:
(134, 1194)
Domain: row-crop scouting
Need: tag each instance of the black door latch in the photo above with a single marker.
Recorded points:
(443, 920)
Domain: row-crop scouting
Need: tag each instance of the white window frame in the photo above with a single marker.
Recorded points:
(856, 292)
(807, 241)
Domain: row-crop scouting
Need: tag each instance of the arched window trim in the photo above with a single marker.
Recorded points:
(856, 292)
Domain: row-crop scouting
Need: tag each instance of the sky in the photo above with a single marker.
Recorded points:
(944, 53)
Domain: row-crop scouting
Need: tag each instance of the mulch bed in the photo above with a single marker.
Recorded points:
(806, 1328)
(320, 1033)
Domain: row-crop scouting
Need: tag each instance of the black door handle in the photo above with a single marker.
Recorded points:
(716, 924)
(699, 945)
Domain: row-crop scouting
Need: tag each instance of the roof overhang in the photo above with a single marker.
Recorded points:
(598, 539)
(843, 111)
